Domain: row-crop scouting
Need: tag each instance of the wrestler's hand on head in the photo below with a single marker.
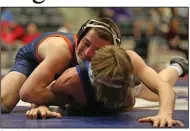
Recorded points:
(43, 112)
(161, 121)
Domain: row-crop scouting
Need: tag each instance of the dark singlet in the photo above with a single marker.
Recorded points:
(27, 58)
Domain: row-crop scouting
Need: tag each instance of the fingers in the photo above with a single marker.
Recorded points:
(58, 115)
(35, 114)
(163, 123)
(54, 114)
(29, 113)
(170, 124)
(156, 123)
(145, 120)
(179, 123)
(43, 114)
(32, 114)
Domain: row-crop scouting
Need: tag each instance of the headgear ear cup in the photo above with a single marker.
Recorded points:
(81, 31)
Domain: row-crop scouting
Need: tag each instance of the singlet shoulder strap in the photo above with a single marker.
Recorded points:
(86, 84)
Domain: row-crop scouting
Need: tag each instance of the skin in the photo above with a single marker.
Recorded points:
(34, 89)
(90, 43)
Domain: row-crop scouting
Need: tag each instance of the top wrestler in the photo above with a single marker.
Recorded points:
(39, 62)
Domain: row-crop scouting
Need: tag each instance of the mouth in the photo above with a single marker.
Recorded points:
(81, 56)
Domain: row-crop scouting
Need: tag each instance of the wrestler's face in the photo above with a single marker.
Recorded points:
(89, 44)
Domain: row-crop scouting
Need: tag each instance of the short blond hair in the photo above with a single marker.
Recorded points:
(111, 62)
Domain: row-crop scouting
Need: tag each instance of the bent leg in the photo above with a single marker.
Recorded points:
(10, 87)
(169, 75)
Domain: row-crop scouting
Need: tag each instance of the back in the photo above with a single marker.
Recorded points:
(30, 50)
(28, 58)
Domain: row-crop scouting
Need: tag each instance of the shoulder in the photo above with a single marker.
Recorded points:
(55, 46)
(56, 38)
(54, 41)
(56, 53)
(132, 54)
(68, 81)
(69, 76)
(137, 62)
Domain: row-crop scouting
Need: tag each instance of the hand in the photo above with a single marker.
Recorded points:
(43, 112)
(161, 121)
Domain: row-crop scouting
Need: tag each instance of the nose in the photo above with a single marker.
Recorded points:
(89, 52)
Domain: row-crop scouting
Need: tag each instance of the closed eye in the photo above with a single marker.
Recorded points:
(86, 42)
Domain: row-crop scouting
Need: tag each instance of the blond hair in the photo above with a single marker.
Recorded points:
(111, 62)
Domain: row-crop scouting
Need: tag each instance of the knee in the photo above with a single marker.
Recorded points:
(4, 106)
(4, 110)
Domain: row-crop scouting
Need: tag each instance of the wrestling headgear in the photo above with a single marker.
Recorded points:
(98, 24)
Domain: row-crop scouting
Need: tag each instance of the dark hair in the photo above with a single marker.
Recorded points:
(102, 33)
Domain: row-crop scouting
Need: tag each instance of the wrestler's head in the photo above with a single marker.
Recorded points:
(95, 34)
(111, 73)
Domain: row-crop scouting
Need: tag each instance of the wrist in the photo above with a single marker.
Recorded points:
(165, 113)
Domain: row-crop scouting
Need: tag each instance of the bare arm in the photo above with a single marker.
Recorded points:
(152, 80)
(34, 89)
(70, 84)
(143, 91)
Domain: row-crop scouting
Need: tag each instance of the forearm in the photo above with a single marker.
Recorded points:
(40, 96)
(142, 91)
(167, 100)
(51, 101)
(44, 96)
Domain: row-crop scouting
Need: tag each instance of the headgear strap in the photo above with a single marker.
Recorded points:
(114, 83)
(98, 24)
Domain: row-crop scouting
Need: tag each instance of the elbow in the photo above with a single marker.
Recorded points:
(32, 96)
(24, 95)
